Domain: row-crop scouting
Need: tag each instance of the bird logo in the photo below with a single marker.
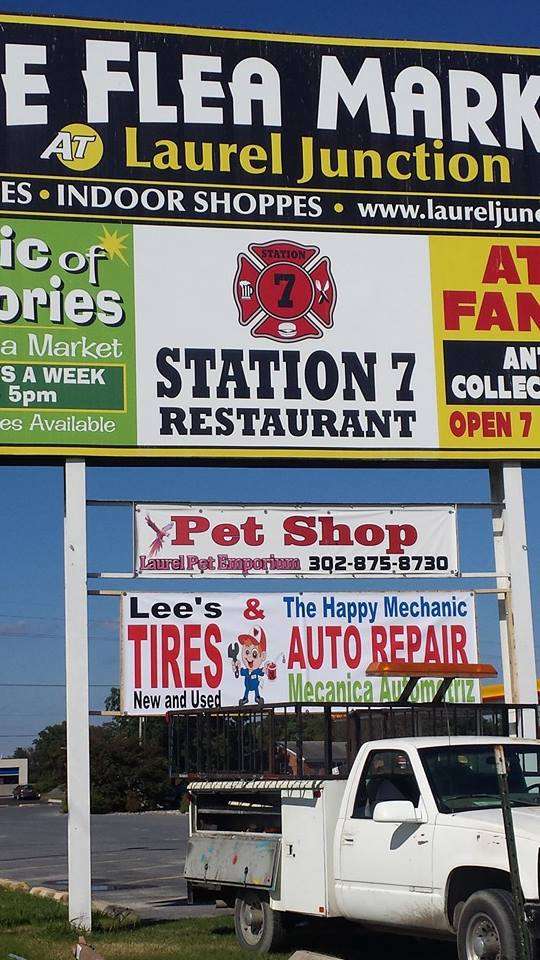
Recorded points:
(161, 535)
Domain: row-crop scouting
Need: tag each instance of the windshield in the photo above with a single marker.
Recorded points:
(464, 777)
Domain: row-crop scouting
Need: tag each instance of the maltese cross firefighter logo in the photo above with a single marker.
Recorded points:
(285, 290)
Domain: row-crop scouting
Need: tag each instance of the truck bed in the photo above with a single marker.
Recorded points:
(271, 834)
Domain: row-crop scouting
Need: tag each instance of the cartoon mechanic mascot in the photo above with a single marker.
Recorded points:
(253, 652)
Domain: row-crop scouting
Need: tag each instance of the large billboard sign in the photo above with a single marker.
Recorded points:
(191, 540)
(188, 651)
(220, 244)
(192, 125)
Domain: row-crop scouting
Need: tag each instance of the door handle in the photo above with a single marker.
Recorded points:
(348, 840)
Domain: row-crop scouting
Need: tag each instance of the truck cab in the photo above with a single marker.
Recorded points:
(420, 829)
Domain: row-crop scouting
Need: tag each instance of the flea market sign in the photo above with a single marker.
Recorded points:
(223, 244)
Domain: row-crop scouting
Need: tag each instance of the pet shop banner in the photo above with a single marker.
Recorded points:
(185, 651)
(196, 540)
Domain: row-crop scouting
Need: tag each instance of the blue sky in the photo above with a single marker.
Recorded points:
(466, 20)
(31, 498)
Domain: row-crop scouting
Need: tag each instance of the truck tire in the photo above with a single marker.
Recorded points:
(486, 928)
(258, 928)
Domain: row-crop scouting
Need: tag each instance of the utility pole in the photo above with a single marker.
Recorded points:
(524, 940)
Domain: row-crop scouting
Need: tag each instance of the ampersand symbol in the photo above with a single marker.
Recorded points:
(253, 610)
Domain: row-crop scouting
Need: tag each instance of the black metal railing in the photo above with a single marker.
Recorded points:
(307, 740)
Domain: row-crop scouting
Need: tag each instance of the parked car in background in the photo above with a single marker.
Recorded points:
(25, 792)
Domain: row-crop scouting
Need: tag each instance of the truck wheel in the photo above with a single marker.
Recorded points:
(486, 928)
(258, 928)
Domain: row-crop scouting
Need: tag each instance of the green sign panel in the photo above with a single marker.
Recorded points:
(67, 334)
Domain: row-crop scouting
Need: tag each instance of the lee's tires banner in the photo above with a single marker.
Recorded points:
(188, 651)
(285, 541)
(240, 343)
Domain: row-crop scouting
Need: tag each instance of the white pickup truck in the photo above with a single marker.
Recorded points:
(412, 841)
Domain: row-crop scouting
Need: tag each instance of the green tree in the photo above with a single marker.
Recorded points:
(127, 771)
(125, 774)
(112, 701)
(151, 730)
(47, 758)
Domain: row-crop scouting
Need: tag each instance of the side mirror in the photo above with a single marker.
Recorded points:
(396, 811)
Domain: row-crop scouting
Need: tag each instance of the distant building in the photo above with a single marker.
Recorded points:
(494, 692)
(12, 773)
(313, 756)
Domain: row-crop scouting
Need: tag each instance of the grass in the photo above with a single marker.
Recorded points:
(37, 929)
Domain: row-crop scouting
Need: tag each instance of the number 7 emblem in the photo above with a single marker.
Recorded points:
(285, 290)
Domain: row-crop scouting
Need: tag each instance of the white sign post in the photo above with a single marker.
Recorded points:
(515, 609)
(78, 747)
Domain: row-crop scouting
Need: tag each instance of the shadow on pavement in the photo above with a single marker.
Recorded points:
(350, 942)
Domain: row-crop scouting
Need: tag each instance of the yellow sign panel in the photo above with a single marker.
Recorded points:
(487, 353)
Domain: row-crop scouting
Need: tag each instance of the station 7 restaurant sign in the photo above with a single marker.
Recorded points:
(224, 244)
(185, 651)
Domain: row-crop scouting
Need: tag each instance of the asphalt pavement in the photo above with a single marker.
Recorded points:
(137, 858)
(138, 861)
